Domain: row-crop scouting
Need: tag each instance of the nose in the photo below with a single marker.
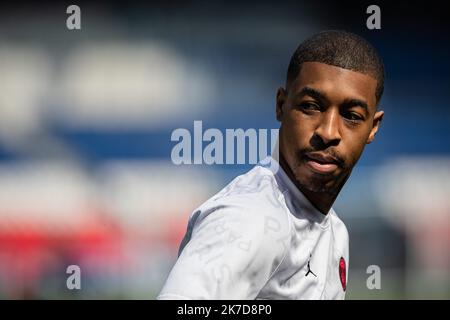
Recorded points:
(328, 129)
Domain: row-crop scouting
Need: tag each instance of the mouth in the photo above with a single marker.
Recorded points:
(321, 163)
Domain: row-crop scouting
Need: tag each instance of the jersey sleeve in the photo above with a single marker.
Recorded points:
(230, 251)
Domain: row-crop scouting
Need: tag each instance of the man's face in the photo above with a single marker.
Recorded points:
(327, 117)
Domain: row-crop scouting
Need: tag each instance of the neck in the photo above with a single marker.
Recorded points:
(322, 201)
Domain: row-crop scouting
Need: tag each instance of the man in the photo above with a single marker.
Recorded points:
(272, 234)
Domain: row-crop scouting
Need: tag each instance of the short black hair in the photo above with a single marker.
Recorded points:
(341, 49)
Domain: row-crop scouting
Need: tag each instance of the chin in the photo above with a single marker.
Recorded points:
(315, 182)
(316, 187)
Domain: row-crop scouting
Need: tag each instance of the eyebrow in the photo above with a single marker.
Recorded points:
(316, 94)
(319, 95)
(356, 102)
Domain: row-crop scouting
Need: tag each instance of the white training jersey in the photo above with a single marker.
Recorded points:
(260, 238)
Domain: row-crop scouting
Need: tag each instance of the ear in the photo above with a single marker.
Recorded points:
(377, 118)
(281, 99)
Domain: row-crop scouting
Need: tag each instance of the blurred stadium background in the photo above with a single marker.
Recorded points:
(86, 118)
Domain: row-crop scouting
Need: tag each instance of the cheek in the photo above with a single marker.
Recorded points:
(299, 130)
(355, 146)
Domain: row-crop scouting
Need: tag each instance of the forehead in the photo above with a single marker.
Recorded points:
(338, 84)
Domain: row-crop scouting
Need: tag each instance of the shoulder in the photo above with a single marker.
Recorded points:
(338, 225)
(340, 232)
(252, 199)
(235, 242)
(248, 208)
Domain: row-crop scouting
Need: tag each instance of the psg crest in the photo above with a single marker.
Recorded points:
(342, 273)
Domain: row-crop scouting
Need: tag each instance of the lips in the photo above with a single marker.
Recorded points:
(321, 162)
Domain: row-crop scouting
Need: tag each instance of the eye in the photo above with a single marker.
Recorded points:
(309, 106)
(353, 116)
